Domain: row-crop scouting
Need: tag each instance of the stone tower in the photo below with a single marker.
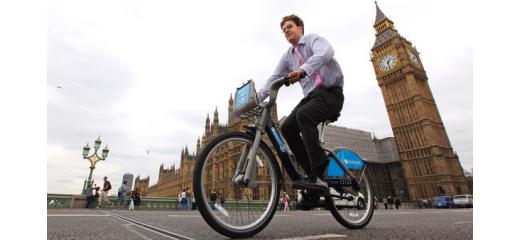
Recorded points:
(429, 163)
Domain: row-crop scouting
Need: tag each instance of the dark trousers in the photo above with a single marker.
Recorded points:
(89, 201)
(320, 105)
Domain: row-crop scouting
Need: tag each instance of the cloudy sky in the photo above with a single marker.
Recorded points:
(145, 74)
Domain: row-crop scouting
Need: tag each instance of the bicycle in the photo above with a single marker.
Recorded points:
(254, 186)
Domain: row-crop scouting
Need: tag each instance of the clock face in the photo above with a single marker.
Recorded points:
(388, 62)
(413, 57)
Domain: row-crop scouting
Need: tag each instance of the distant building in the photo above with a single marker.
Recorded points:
(129, 178)
(142, 185)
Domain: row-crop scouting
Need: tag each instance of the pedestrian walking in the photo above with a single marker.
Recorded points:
(121, 195)
(385, 202)
(104, 194)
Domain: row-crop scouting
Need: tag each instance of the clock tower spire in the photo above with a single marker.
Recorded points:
(427, 157)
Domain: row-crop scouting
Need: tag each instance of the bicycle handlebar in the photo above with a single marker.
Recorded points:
(277, 84)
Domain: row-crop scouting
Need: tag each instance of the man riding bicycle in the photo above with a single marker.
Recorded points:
(309, 60)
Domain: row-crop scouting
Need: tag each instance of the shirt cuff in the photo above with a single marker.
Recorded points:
(307, 68)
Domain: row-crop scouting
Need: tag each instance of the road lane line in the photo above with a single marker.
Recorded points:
(77, 215)
(193, 216)
(463, 222)
(326, 236)
(132, 230)
(153, 229)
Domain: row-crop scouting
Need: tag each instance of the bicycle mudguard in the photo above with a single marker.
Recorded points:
(351, 159)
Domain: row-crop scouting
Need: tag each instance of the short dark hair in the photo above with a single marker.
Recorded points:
(297, 20)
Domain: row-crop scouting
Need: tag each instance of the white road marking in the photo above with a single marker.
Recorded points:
(194, 216)
(463, 222)
(77, 215)
(150, 228)
(128, 228)
(420, 212)
(326, 236)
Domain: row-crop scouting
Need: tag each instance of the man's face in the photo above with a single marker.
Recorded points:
(292, 32)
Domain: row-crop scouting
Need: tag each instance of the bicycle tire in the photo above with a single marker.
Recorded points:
(342, 217)
(202, 198)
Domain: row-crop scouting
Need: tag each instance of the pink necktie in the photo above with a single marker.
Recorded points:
(315, 76)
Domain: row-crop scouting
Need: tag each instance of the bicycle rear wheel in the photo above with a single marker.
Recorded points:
(247, 209)
(356, 211)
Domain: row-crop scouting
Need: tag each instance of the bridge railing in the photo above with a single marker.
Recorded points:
(147, 203)
(79, 201)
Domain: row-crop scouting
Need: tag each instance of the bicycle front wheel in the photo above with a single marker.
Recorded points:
(236, 211)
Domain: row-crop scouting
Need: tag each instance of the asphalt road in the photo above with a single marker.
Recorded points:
(386, 224)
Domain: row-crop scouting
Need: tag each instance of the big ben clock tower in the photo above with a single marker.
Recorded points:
(429, 163)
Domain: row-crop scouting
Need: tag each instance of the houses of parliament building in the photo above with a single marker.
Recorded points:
(418, 163)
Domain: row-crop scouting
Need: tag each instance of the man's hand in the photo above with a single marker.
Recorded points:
(296, 75)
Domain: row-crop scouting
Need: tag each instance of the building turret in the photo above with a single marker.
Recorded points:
(214, 127)
(197, 151)
(161, 168)
(230, 110)
(208, 126)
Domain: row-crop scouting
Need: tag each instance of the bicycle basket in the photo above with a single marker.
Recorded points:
(246, 101)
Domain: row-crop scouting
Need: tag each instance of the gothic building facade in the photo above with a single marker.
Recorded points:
(429, 163)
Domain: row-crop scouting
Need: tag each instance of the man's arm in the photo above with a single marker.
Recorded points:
(322, 53)
(281, 71)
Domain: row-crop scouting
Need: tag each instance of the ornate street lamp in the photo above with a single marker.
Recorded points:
(94, 158)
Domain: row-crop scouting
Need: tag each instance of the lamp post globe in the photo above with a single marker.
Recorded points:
(86, 149)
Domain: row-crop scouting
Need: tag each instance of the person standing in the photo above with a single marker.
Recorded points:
(89, 197)
(182, 199)
(390, 202)
(397, 203)
(385, 202)
(213, 199)
(132, 201)
(97, 196)
(104, 194)
(121, 194)
(189, 194)
(286, 200)
(309, 60)
(137, 200)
